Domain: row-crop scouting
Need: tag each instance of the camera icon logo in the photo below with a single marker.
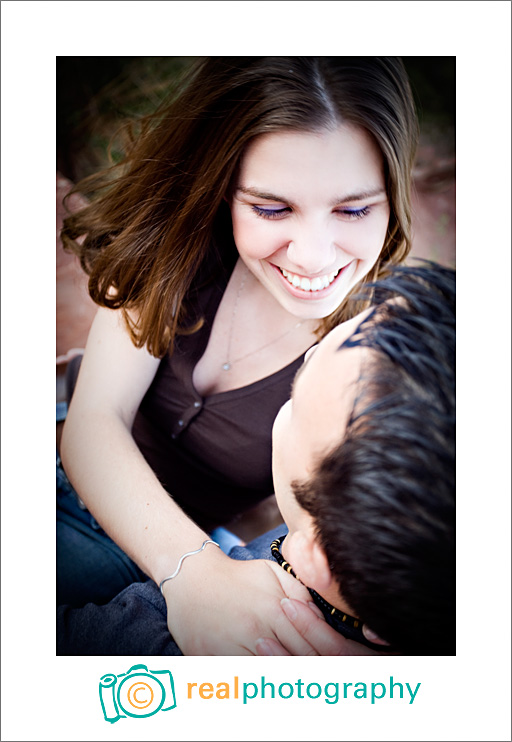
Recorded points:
(137, 693)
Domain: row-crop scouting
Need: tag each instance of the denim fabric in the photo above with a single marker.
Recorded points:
(91, 568)
(135, 622)
(61, 411)
(226, 539)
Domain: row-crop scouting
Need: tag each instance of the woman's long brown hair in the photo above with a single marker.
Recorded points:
(155, 217)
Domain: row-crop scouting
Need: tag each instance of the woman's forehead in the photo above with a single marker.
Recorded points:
(342, 152)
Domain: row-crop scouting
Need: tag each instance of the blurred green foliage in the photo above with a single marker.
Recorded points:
(95, 95)
(433, 86)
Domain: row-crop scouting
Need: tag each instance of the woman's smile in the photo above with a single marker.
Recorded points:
(314, 288)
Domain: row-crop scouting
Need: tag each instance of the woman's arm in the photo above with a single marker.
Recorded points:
(215, 605)
(102, 460)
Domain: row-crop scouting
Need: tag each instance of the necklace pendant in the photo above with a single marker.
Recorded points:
(226, 366)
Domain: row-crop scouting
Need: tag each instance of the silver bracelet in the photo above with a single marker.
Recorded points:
(182, 559)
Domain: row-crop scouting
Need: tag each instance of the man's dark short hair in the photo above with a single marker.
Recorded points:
(384, 501)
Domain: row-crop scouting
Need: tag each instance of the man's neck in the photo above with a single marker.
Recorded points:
(330, 594)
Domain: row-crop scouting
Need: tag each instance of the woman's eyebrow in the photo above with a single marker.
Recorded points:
(355, 196)
(359, 196)
(263, 194)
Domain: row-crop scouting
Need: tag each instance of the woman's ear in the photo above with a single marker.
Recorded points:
(309, 561)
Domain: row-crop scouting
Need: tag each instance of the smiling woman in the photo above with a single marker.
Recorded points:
(246, 212)
(329, 221)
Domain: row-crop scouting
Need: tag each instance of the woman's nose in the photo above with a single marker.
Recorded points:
(312, 255)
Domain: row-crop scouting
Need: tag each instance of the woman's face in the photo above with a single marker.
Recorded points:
(310, 214)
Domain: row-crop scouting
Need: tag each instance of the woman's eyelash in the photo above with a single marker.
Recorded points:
(270, 213)
(355, 213)
(276, 213)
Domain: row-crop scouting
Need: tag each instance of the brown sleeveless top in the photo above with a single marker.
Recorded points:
(212, 454)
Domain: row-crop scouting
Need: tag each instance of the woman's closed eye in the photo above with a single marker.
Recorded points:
(270, 212)
(276, 212)
(352, 213)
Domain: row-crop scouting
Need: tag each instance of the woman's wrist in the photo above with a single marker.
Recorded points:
(197, 575)
(186, 555)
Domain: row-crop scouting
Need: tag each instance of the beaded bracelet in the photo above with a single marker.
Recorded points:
(182, 559)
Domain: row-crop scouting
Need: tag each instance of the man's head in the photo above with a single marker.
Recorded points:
(364, 464)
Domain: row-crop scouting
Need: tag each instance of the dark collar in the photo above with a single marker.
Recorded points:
(348, 626)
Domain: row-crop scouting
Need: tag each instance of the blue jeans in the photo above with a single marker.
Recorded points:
(91, 568)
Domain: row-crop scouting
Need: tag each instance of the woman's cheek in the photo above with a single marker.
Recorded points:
(257, 240)
(368, 242)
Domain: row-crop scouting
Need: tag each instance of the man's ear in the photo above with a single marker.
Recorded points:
(309, 561)
(312, 567)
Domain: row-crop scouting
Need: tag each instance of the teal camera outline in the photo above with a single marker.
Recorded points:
(110, 689)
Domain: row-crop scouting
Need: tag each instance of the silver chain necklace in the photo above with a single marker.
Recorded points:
(228, 363)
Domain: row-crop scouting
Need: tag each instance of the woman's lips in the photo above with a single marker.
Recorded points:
(315, 288)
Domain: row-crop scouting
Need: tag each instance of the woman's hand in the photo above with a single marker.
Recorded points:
(220, 606)
(321, 638)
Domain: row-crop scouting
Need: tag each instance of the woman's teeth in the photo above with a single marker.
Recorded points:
(309, 284)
